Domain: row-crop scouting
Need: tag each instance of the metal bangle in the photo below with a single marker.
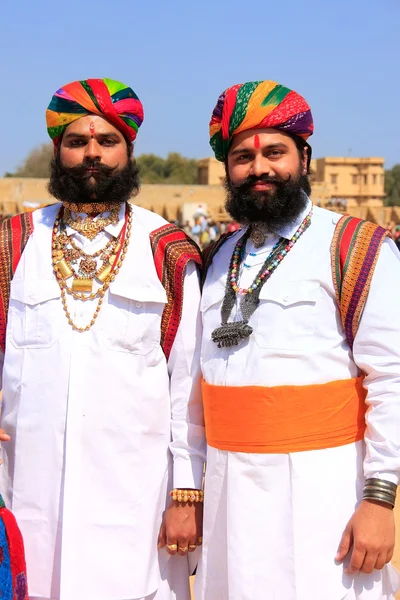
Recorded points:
(388, 503)
(382, 484)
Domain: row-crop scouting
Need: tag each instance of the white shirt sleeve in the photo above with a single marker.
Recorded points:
(187, 421)
(377, 353)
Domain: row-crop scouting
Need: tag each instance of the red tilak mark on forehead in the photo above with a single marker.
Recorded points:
(91, 128)
(256, 141)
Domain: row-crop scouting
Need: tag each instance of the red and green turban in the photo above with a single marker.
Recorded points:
(107, 98)
(257, 105)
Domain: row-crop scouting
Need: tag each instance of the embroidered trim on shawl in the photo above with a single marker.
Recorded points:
(354, 253)
(172, 250)
(14, 234)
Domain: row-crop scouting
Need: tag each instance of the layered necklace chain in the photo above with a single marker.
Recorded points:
(231, 333)
(70, 261)
(88, 226)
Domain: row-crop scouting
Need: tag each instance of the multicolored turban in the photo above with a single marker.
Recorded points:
(255, 105)
(107, 98)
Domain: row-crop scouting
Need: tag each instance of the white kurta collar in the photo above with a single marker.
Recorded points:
(112, 229)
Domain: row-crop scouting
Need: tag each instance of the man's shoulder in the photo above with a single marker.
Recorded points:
(326, 217)
(148, 219)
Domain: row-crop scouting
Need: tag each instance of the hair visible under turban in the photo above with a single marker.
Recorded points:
(257, 105)
(107, 98)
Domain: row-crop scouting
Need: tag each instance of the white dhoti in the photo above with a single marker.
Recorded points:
(273, 525)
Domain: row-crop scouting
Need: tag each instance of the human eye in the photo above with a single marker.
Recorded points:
(108, 142)
(243, 157)
(76, 143)
(275, 154)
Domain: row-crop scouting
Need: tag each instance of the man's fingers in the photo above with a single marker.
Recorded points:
(369, 562)
(172, 547)
(389, 555)
(4, 437)
(345, 544)
(356, 561)
(192, 545)
(171, 543)
(183, 546)
(380, 562)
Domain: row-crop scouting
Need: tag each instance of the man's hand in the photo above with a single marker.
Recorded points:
(3, 436)
(182, 527)
(370, 534)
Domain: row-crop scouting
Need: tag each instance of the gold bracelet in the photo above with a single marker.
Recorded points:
(187, 495)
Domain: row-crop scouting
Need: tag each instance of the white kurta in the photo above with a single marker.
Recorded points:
(273, 522)
(101, 425)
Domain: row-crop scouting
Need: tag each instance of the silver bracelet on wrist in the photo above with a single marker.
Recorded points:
(380, 490)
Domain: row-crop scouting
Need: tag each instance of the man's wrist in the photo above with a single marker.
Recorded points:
(380, 490)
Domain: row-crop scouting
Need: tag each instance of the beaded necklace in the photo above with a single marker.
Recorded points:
(231, 333)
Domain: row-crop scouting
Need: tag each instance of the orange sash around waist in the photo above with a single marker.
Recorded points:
(286, 418)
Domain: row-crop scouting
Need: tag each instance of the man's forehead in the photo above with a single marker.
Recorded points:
(90, 124)
(260, 137)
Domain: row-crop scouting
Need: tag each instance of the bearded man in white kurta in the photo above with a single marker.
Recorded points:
(301, 367)
(100, 369)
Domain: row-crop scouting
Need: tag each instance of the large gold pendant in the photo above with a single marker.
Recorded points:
(64, 269)
(82, 285)
(104, 273)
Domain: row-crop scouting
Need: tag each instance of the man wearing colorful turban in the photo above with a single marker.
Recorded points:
(301, 374)
(100, 361)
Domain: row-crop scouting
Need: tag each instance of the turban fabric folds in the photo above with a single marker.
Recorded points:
(257, 105)
(107, 98)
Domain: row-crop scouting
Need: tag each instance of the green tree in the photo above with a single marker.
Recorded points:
(392, 186)
(175, 169)
(151, 168)
(36, 164)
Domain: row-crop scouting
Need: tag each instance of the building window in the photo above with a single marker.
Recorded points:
(334, 178)
(374, 178)
(365, 179)
(354, 179)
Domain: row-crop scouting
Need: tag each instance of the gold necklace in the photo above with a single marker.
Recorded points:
(91, 208)
(113, 272)
(89, 227)
(67, 256)
(95, 254)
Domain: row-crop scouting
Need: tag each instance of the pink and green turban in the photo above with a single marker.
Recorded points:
(257, 105)
(107, 98)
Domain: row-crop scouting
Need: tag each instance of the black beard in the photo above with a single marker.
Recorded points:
(71, 184)
(276, 209)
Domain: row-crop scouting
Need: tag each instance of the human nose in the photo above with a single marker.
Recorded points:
(260, 166)
(93, 150)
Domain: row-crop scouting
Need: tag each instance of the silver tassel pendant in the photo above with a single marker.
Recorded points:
(231, 334)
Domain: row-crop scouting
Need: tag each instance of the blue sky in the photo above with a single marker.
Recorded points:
(343, 56)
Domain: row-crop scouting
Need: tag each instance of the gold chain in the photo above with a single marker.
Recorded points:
(95, 254)
(89, 227)
(102, 290)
